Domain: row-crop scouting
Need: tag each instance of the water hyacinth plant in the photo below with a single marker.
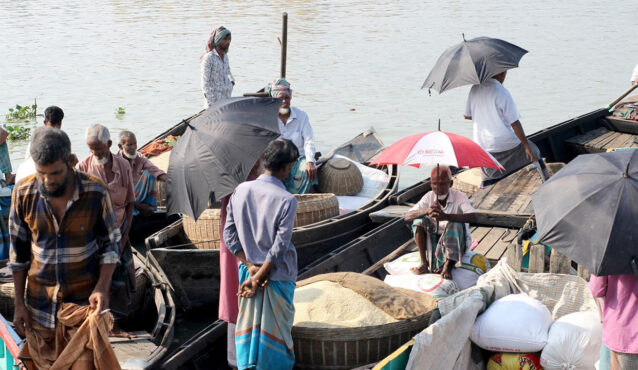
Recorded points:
(18, 120)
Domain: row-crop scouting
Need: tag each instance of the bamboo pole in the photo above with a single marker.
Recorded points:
(284, 44)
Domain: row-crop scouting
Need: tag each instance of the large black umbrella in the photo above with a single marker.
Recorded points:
(588, 211)
(217, 152)
(472, 62)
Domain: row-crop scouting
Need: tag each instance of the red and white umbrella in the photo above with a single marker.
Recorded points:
(437, 147)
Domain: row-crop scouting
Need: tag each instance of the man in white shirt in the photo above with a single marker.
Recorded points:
(452, 211)
(498, 129)
(217, 80)
(634, 76)
(294, 125)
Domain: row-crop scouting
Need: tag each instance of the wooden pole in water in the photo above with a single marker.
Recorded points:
(284, 44)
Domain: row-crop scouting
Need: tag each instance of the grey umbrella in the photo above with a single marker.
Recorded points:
(217, 152)
(588, 212)
(472, 62)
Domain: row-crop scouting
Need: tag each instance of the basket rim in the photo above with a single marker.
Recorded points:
(361, 333)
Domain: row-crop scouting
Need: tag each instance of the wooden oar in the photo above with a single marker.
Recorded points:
(621, 97)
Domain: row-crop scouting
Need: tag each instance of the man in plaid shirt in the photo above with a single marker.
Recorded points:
(64, 237)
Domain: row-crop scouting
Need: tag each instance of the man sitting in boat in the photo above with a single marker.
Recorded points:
(259, 223)
(115, 172)
(441, 219)
(64, 245)
(144, 173)
(498, 129)
(294, 125)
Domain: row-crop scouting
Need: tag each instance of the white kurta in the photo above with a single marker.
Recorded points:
(298, 130)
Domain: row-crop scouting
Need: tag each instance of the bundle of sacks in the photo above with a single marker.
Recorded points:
(347, 299)
(464, 276)
(521, 331)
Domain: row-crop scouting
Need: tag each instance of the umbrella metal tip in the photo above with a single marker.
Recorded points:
(463, 34)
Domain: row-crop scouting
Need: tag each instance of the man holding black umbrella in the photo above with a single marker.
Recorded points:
(498, 129)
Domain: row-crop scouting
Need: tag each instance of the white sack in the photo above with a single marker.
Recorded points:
(515, 323)
(432, 284)
(573, 343)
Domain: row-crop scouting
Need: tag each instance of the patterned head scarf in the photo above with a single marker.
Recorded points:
(216, 37)
(279, 86)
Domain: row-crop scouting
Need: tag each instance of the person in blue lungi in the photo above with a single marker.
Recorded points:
(294, 125)
(259, 224)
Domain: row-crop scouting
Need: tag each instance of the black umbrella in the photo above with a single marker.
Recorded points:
(472, 62)
(589, 209)
(217, 152)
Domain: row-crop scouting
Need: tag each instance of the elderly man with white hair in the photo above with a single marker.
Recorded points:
(115, 172)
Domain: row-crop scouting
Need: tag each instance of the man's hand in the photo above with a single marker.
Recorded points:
(248, 288)
(144, 209)
(311, 171)
(161, 178)
(253, 269)
(529, 154)
(21, 320)
(99, 300)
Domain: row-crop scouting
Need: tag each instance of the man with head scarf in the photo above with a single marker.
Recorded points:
(217, 80)
(294, 125)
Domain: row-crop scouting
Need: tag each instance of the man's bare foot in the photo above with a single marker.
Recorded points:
(119, 333)
(423, 269)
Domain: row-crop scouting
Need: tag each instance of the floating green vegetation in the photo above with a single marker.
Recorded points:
(120, 112)
(21, 113)
(18, 120)
(18, 132)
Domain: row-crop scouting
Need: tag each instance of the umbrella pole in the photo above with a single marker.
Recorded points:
(436, 229)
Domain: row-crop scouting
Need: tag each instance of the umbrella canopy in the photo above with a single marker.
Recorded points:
(437, 147)
(472, 62)
(217, 152)
(588, 212)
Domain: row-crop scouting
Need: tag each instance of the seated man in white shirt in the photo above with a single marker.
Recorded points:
(440, 225)
(294, 125)
(498, 129)
(634, 76)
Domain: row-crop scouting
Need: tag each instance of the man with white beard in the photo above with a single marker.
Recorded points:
(144, 173)
(451, 211)
(115, 172)
(294, 125)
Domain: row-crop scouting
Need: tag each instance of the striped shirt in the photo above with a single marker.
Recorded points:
(62, 260)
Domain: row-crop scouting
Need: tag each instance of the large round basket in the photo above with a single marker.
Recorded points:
(313, 208)
(204, 233)
(340, 177)
(7, 300)
(347, 348)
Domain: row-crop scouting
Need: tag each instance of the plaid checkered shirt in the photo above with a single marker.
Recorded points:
(62, 261)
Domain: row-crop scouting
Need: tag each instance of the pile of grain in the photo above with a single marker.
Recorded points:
(326, 304)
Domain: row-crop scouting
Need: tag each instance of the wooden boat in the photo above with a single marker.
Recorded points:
(189, 270)
(153, 325)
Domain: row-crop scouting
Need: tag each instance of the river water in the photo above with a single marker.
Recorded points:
(352, 64)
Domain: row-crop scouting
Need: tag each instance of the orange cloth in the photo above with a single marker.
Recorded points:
(159, 146)
(80, 341)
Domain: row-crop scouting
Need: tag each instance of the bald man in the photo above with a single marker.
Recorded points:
(452, 210)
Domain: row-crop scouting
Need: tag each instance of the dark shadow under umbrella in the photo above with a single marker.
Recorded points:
(588, 212)
(217, 152)
(472, 62)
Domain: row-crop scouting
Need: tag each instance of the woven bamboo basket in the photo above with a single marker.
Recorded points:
(313, 208)
(469, 182)
(340, 177)
(204, 233)
(347, 348)
(7, 300)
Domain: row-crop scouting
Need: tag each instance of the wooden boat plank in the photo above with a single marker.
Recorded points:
(388, 213)
(480, 233)
(127, 350)
(498, 250)
(599, 143)
(622, 124)
(490, 240)
(511, 195)
(582, 140)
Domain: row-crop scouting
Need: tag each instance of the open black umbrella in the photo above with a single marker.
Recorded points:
(589, 209)
(217, 152)
(472, 62)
